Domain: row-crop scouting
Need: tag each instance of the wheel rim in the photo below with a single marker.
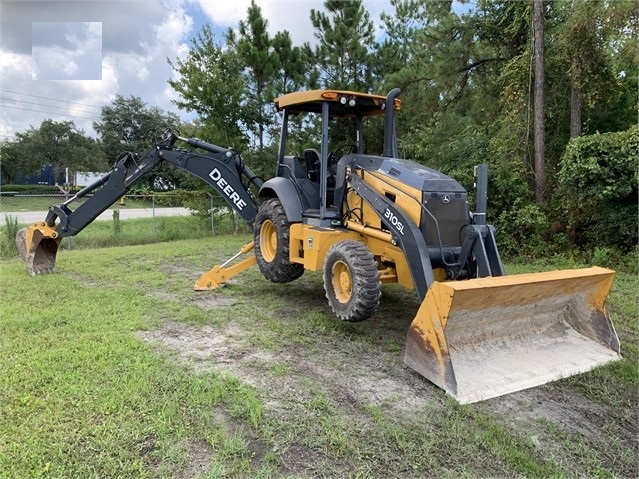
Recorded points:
(342, 282)
(268, 241)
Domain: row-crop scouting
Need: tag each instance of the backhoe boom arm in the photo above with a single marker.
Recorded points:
(219, 167)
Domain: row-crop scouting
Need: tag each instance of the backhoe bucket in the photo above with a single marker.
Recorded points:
(487, 337)
(38, 245)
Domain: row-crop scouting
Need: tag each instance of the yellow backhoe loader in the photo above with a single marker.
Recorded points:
(365, 220)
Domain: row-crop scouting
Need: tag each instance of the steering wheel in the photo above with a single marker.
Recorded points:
(336, 154)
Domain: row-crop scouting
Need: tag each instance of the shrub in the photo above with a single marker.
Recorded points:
(522, 229)
(117, 225)
(31, 189)
(598, 189)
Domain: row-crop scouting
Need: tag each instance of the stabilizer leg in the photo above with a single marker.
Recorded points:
(220, 274)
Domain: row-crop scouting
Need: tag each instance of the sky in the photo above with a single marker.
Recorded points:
(64, 60)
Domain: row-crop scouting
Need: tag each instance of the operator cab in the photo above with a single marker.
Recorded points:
(314, 172)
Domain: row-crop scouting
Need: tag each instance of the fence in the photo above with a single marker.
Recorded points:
(152, 217)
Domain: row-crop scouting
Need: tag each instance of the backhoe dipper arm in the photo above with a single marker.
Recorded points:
(221, 168)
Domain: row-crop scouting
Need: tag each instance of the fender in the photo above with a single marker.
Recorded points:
(285, 190)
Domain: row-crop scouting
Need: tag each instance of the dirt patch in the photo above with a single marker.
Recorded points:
(351, 379)
(177, 270)
(204, 302)
(571, 413)
(209, 302)
(197, 459)
(204, 348)
(165, 295)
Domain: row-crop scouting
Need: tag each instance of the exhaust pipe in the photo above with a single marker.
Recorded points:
(390, 138)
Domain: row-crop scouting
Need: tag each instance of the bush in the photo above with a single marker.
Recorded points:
(522, 230)
(33, 189)
(598, 189)
(173, 197)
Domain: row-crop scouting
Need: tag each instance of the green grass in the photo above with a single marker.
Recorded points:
(83, 395)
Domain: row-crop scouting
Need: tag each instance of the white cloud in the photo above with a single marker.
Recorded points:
(67, 50)
(224, 13)
(14, 66)
(70, 68)
(54, 63)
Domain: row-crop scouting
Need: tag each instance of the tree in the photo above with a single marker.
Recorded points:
(413, 21)
(59, 144)
(259, 61)
(210, 84)
(448, 100)
(592, 39)
(15, 162)
(128, 124)
(346, 41)
(292, 70)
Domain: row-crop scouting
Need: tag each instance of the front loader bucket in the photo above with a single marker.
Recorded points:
(486, 337)
(38, 245)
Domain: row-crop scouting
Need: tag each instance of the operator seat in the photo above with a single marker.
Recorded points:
(312, 158)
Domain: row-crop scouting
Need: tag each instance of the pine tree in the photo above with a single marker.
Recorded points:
(346, 40)
(211, 85)
(254, 47)
(539, 90)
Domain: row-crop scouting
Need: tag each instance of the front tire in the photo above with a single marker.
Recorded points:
(271, 237)
(351, 281)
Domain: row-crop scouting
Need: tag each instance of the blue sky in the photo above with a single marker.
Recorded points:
(66, 59)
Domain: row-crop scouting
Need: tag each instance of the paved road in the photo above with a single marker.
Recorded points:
(25, 217)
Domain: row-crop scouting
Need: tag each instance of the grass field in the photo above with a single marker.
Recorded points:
(114, 367)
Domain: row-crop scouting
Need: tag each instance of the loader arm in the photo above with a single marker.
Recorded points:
(219, 167)
(405, 232)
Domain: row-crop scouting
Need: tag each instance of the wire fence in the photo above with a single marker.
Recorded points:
(149, 217)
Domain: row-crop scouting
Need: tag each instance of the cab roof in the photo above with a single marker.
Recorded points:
(365, 104)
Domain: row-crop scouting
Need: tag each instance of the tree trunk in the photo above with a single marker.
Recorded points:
(577, 55)
(575, 112)
(538, 132)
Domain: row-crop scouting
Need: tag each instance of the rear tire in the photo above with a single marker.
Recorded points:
(351, 281)
(271, 237)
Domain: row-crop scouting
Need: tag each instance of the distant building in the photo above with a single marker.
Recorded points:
(46, 176)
